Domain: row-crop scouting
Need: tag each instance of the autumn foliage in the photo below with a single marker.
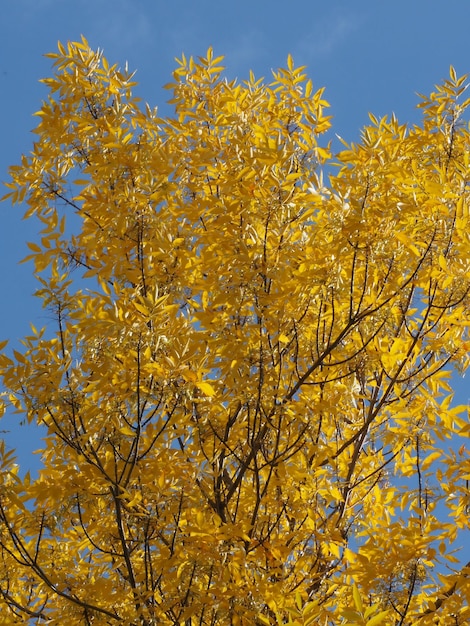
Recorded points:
(245, 387)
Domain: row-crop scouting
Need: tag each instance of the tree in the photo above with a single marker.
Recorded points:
(246, 391)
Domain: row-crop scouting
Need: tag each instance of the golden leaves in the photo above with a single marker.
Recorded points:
(245, 389)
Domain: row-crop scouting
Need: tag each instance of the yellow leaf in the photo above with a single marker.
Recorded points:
(379, 619)
(126, 430)
(34, 247)
(206, 388)
(430, 458)
(141, 308)
(443, 263)
(357, 598)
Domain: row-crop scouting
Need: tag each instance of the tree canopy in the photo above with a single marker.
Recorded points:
(246, 383)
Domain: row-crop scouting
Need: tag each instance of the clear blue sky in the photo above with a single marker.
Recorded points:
(370, 55)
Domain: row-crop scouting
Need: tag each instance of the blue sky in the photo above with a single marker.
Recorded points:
(370, 55)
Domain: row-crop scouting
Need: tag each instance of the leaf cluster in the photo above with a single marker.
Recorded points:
(245, 385)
